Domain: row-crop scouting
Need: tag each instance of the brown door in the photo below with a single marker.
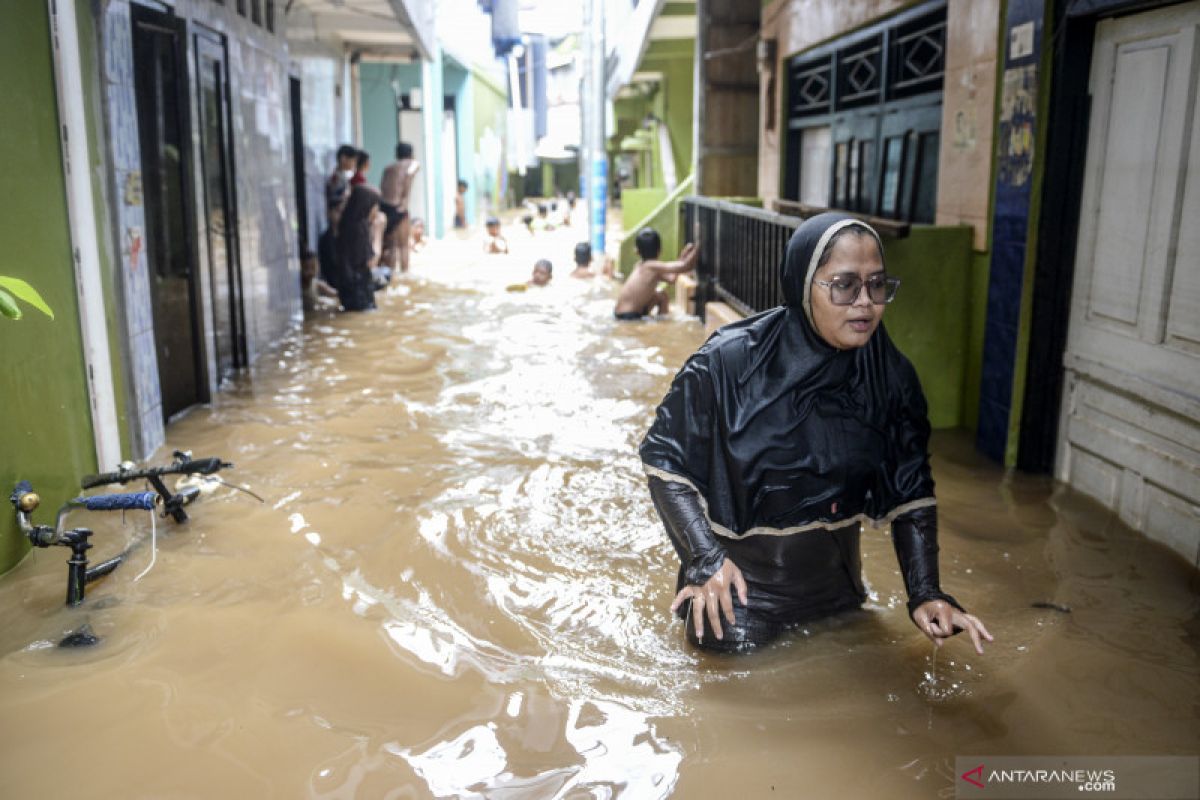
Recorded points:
(159, 81)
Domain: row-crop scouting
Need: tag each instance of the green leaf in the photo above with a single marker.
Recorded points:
(8, 306)
(27, 293)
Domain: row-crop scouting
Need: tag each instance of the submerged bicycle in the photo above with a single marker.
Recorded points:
(79, 573)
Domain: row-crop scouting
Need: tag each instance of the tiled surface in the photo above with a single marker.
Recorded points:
(1010, 226)
(265, 203)
(145, 406)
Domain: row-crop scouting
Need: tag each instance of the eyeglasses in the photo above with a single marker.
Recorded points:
(881, 289)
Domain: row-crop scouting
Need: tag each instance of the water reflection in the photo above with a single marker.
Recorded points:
(457, 587)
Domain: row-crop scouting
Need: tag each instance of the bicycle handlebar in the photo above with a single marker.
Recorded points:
(195, 466)
(130, 501)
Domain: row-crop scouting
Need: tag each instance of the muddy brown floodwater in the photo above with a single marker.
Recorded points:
(457, 587)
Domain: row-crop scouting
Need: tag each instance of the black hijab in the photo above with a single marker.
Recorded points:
(354, 248)
(780, 432)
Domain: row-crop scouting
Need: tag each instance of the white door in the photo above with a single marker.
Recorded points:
(1130, 432)
(412, 131)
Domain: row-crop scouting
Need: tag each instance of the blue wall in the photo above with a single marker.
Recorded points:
(379, 114)
(1016, 132)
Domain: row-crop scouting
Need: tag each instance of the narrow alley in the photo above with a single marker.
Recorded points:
(457, 587)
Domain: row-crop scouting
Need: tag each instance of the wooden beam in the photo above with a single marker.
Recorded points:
(886, 227)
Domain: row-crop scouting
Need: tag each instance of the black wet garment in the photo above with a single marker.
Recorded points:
(786, 444)
(355, 283)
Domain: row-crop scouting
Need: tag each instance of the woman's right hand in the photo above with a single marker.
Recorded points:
(714, 597)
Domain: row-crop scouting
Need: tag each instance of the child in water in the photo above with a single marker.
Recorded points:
(494, 242)
(640, 295)
(543, 271)
(583, 261)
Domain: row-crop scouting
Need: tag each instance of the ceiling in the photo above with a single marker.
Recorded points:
(401, 26)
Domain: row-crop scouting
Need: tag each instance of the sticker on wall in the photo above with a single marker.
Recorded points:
(133, 188)
(133, 243)
(1020, 41)
(964, 129)
(1017, 107)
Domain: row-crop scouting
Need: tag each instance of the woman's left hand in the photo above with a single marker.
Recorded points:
(939, 620)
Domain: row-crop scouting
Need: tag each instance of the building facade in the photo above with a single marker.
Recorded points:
(1064, 135)
(163, 191)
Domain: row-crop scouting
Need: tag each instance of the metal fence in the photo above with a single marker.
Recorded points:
(741, 248)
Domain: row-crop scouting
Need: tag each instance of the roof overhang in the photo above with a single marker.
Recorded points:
(395, 26)
(652, 21)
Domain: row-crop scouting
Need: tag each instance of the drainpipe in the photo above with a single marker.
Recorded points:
(81, 215)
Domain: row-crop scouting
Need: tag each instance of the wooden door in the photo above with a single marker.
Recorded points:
(1130, 432)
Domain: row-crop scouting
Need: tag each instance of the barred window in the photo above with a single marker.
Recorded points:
(873, 99)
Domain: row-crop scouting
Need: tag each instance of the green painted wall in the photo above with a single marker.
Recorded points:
(490, 108)
(675, 59)
(46, 425)
(664, 218)
(636, 204)
(930, 320)
(980, 266)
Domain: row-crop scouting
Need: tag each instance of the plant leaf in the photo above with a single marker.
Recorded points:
(27, 293)
(8, 306)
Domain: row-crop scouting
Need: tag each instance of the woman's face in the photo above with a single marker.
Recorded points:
(846, 327)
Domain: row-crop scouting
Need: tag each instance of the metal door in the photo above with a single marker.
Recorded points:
(1130, 432)
(160, 84)
(216, 191)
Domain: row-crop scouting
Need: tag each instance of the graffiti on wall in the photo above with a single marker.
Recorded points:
(1017, 107)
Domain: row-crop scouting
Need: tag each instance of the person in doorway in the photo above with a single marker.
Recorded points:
(337, 189)
(337, 186)
(362, 163)
(543, 271)
(395, 191)
(640, 295)
(460, 204)
(780, 437)
(494, 242)
(583, 262)
(356, 284)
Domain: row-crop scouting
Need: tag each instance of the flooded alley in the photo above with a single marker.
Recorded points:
(457, 587)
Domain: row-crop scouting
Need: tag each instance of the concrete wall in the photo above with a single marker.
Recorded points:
(325, 128)
(264, 196)
(968, 100)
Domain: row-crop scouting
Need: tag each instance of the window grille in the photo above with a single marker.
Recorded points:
(878, 91)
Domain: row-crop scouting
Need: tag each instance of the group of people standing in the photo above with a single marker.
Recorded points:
(367, 238)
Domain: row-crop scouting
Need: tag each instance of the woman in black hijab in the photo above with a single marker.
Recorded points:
(783, 434)
(355, 283)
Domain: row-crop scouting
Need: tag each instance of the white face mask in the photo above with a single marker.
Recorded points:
(347, 174)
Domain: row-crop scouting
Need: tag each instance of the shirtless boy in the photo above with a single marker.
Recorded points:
(640, 295)
(583, 261)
